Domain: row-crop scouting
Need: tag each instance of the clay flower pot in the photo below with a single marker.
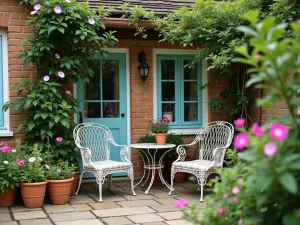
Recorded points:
(59, 191)
(74, 183)
(8, 197)
(33, 194)
(161, 138)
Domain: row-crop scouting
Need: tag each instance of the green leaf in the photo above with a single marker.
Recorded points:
(31, 126)
(44, 115)
(248, 30)
(289, 182)
(252, 16)
(290, 218)
(56, 118)
(243, 50)
(51, 124)
(36, 116)
(51, 28)
(61, 30)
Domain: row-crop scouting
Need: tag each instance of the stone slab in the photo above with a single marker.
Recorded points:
(29, 215)
(104, 205)
(22, 208)
(4, 209)
(171, 215)
(164, 208)
(137, 203)
(166, 201)
(139, 196)
(5, 217)
(107, 197)
(9, 223)
(81, 222)
(120, 220)
(58, 208)
(178, 222)
(36, 222)
(155, 223)
(79, 199)
(58, 217)
(123, 211)
(145, 218)
(82, 207)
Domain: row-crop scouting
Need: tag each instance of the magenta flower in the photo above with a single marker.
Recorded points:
(61, 74)
(270, 149)
(47, 167)
(57, 56)
(240, 180)
(221, 211)
(37, 7)
(20, 162)
(241, 140)
(68, 92)
(256, 130)
(59, 139)
(225, 195)
(33, 12)
(91, 21)
(46, 78)
(180, 203)
(257, 56)
(239, 154)
(6, 148)
(234, 200)
(240, 222)
(239, 122)
(236, 190)
(278, 131)
(57, 9)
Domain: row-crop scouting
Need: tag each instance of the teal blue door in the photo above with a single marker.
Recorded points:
(103, 98)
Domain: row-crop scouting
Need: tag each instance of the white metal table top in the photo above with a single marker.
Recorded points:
(151, 146)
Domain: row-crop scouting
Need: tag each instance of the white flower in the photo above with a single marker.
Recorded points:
(31, 159)
(14, 150)
(5, 162)
(40, 159)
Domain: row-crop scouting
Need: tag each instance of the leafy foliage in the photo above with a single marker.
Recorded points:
(60, 171)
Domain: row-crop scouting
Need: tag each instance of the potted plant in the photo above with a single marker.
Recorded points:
(160, 128)
(10, 175)
(33, 181)
(60, 178)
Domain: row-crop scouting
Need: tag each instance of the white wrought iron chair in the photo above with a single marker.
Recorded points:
(94, 141)
(213, 138)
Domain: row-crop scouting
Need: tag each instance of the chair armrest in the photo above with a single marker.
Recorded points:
(86, 156)
(124, 153)
(218, 156)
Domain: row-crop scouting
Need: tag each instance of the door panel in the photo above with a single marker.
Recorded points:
(104, 98)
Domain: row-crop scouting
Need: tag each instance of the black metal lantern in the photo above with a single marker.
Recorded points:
(143, 67)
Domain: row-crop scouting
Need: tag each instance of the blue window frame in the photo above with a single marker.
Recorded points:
(178, 94)
(1, 85)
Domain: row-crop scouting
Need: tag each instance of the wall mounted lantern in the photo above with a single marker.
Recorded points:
(143, 67)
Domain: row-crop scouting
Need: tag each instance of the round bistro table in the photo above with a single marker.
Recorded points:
(148, 151)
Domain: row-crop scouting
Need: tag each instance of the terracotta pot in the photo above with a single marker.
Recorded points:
(74, 183)
(179, 177)
(161, 138)
(33, 194)
(59, 191)
(8, 197)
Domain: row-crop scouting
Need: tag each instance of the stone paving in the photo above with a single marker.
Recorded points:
(119, 207)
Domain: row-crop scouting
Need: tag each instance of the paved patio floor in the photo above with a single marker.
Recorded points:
(119, 207)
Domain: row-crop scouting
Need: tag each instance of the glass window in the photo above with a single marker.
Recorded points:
(179, 97)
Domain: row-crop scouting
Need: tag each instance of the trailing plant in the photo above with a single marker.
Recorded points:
(65, 34)
(264, 191)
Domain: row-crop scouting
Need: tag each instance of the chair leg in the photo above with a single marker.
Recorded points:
(131, 176)
(172, 180)
(202, 176)
(100, 191)
(80, 179)
(109, 181)
(201, 196)
(100, 180)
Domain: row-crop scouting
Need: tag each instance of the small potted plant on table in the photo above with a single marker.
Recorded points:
(160, 128)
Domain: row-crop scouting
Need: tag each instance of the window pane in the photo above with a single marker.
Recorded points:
(190, 91)
(167, 69)
(168, 110)
(190, 112)
(110, 79)
(93, 109)
(92, 88)
(168, 91)
(111, 110)
(189, 73)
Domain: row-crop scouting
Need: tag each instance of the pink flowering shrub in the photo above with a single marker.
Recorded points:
(160, 125)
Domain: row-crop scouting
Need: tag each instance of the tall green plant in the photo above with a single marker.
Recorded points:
(65, 34)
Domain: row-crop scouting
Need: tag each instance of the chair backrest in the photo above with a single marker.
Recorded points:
(96, 138)
(213, 135)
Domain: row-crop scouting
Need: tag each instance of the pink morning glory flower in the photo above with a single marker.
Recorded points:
(180, 203)
(57, 56)
(37, 7)
(57, 9)
(239, 154)
(225, 195)
(6, 148)
(239, 122)
(270, 149)
(33, 12)
(240, 222)
(278, 131)
(236, 190)
(59, 139)
(221, 211)
(241, 140)
(240, 180)
(68, 92)
(257, 56)
(91, 21)
(61, 74)
(234, 200)
(40, 159)
(47, 167)
(20, 162)
(256, 130)
(46, 78)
